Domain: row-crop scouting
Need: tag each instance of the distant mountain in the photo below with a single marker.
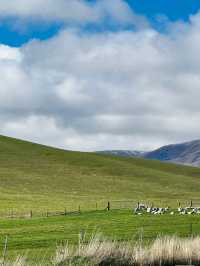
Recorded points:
(187, 153)
(123, 153)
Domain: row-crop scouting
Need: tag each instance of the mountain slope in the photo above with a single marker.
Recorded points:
(187, 153)
(123, 153)
(37, 177)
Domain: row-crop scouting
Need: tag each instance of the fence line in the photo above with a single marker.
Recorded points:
(98, 206)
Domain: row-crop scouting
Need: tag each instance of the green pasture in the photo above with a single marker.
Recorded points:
(121, 225)
(40, 178)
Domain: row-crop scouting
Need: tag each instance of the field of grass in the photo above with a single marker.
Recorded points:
(45, 233)
(38, 238)
(40, 178)
(43, 179)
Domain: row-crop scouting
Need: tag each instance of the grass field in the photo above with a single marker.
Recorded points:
(41, 235)
(40, 178)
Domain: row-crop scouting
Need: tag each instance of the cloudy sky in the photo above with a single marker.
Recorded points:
(104, 74)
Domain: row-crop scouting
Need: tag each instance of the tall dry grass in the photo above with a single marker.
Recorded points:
(163, 251)
(19, 261)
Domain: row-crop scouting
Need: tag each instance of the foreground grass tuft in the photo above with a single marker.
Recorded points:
(19, 261)
(101, 252)
(163, 251)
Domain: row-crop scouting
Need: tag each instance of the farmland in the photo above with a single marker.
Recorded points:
(37, 180)
(39, 234)
(40, 178)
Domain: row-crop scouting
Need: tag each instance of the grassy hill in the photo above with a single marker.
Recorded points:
(37, 177)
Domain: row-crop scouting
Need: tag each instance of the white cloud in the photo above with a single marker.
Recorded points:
(8, 53)
(104, 91)
(71, 11)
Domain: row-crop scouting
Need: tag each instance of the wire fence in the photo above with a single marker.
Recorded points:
(98, 206)
(140, 229)
(130, 204)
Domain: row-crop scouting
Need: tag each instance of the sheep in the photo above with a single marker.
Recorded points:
(149, 210)
(142, 207)
(183, 211)
(136, 209)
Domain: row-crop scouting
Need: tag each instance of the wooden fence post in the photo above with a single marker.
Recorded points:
(31, 214)
(190, 230)
(5, 250)
(82, 236)
(108, 207)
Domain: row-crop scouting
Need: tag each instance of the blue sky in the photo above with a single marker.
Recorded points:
(173, 9)
(156, 11)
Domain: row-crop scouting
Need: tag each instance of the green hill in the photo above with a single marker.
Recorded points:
(37, 177)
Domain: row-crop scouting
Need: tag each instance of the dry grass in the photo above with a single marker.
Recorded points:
(163, 251)
(19, 261)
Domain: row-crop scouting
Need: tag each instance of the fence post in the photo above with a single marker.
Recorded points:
(82, 235)
(31, 214)
(79, 208)
(190, 230)
(5, 250)
(65, 211)
(108, 207)
(141, 236)
(47, 214)
(191, 203)
(80, 239)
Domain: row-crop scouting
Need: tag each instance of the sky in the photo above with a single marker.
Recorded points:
(100, 74)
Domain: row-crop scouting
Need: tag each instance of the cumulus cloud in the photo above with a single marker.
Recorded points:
(71, 11)
(129, 89)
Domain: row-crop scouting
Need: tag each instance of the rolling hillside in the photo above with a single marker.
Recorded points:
(37, 177)
(187, 153)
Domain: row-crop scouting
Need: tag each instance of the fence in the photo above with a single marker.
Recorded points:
(98, 206)
(32, 214)
(131, 204)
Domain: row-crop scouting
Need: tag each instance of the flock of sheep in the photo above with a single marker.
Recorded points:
(142, 209)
